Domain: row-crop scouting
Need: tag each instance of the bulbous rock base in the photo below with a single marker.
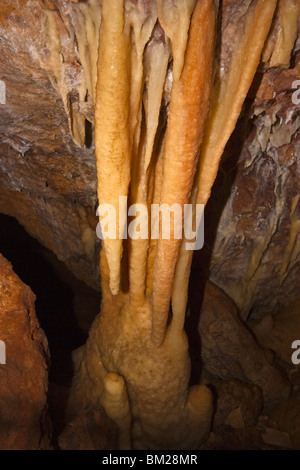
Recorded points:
(142, 387)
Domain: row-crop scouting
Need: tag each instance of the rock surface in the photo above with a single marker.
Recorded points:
(24, 423)
(238, 405)
(256, 255)
(287, 416)
(48, 182)
(229, 350)
(278, 332)
(92, 431)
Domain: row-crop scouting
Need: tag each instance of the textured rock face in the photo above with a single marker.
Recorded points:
(278, 332)
(238, 405)
(287, 415)
(229, 350)
(24, 377)
(47, 181)
(93, 431)
(256, 256)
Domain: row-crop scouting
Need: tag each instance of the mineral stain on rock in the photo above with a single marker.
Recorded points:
(24, 423)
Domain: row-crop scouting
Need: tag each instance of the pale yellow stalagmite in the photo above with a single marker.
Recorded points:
(115, 401)
(189, 103)
(281, 46)
(155, 198)
(133, 365)
(142, 25)
(226, 104)
(156, 59)
(142, 387)
(112, 130)
(175, 18)
(227, 101)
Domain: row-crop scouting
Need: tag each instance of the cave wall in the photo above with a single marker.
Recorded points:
(256, 256)
(48, 182)
(24, 420)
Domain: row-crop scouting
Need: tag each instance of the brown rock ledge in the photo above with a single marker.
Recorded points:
(24, 424)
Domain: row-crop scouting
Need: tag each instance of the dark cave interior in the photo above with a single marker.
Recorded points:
(65, 307)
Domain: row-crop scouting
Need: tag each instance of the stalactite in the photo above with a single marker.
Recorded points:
(161, 127)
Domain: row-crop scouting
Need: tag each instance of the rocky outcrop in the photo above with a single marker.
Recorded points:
(238, 405)
(48, 181)
(256, 255)
(278, 332)
(24, 424)
(92, 431)
(287, 416)
(229, 350)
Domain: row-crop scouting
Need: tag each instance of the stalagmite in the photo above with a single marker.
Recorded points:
(227, 100)
(112, 117)
(163, 115)
(278, 48)
(188, 108)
